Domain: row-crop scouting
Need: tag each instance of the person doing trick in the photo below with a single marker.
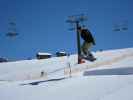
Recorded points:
(87, 44)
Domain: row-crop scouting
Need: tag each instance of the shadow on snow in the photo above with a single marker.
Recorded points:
(113, 71)
(38, 82)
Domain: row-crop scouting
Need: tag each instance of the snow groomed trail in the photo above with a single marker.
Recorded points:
(110, 77)
(59, 67)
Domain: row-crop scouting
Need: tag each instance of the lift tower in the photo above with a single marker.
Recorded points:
(76, 21)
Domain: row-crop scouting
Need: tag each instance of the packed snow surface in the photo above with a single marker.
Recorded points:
(110, 77)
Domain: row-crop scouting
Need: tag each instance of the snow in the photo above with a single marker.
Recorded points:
(42, 53)
(62, 52)
(110, 77)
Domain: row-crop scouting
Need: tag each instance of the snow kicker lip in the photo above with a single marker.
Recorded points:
(112, 71)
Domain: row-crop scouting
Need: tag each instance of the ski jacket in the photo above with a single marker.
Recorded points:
(87, 36)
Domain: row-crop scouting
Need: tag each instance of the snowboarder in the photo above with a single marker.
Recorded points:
(87, 44)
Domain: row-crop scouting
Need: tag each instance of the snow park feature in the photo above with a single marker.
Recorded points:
(110, 77)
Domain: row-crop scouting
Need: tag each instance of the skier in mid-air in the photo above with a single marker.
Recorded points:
(87, 44)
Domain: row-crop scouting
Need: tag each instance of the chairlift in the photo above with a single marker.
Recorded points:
(12, 30)
(116, 29)
(11, 34)
(123, 26)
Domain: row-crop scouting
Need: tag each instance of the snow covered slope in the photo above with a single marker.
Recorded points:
(110, 77)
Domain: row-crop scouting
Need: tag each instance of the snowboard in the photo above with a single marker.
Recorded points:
(89, 57)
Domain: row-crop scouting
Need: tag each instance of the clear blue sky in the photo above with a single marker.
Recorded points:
(42, 27)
